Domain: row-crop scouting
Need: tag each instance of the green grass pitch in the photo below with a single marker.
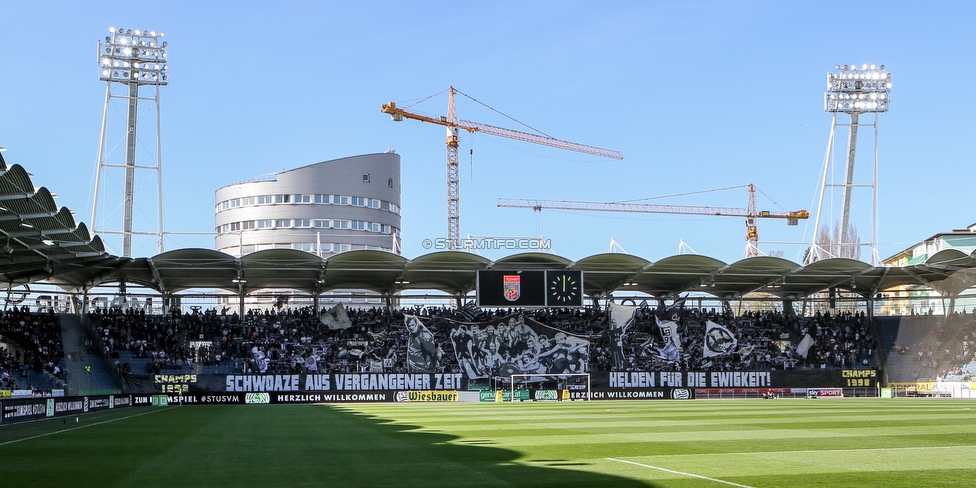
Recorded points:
(700, 443)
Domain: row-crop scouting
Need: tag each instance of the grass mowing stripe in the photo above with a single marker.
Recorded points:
(679, 472)
(845, 442)
(874, 449)
(943, 458)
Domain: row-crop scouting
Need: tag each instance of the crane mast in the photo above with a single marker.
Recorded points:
(751, 213)
(454, 126)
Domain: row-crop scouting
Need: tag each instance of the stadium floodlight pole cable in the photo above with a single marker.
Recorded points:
(853, 90)
(131, 58)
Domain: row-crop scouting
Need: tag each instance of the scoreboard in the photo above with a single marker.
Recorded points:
(530, 288)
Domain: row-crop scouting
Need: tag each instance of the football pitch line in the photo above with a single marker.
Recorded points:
(716, 480)
(14, 441)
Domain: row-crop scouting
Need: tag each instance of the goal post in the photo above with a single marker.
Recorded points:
(549, 387)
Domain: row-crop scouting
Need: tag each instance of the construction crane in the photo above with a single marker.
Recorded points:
(751, 214)
(453, 125)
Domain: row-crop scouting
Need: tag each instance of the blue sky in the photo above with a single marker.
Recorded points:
(697, 95)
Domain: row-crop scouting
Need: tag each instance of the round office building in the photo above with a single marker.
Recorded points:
(323, 208)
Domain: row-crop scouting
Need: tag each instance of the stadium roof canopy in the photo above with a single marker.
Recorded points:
(455, 273)
(42, 243)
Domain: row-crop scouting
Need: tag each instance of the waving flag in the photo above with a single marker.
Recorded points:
(621, 318)
(336, 318)
(718, 340)
(469, 312)
(671, 351)
(803, 348)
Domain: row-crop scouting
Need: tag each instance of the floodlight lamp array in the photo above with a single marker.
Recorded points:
(133, 56)
(858, 89)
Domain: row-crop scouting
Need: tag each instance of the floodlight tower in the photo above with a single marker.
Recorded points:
(854, 91)
(130, 58)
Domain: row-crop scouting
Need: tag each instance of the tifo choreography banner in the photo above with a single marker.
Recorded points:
(517, 344)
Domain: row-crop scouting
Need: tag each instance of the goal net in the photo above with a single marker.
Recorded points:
(529, 387)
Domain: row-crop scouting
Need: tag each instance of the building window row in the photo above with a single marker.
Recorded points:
(334, 247)
(311, 247)
(302, 198)
(307, 224)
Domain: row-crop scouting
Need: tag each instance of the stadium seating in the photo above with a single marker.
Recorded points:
(281, 341)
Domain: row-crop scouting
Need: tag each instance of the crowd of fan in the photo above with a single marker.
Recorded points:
(766, 340)
(164, 339)
(9, 368)
(36, 341)
(296, 340)
(942, 348)
(842, 341)
(284, 341)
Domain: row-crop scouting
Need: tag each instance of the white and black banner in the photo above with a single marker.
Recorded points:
(422, 352)
(516, 344)
(621, 319)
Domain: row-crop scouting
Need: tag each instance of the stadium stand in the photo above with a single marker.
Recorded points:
(928, 348)
(282, 341)
(114, 342)
(32, 357)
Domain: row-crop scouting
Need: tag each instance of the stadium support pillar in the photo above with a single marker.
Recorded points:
(76, 306)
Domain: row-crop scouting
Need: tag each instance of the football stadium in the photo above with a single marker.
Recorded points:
(307, 348)
(534, 377)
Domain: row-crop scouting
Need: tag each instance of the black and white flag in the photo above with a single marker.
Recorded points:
(671, 351)
(469, 312)
(718, 340)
